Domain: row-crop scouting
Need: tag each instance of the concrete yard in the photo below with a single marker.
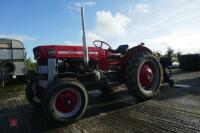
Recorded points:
(176, 109)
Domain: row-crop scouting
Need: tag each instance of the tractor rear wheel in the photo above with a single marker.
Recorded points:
(143, 76)
(65, 102)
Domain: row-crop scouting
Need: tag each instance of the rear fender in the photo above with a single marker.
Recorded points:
(129, 55)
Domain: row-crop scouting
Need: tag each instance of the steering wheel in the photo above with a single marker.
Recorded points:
(101, 44)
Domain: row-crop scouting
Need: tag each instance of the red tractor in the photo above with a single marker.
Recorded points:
(64, 77)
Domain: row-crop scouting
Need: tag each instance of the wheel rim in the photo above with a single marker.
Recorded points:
(146, 75)
(67, 103)
(149, 76)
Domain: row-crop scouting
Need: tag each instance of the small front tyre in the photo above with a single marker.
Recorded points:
(33, 93)
(65, 102)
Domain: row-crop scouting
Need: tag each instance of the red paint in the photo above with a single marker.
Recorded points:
(94, 54)
(146, 76)
(98, 54)
(43, 51)
(13, 122)
(130, 55)
(66, 101)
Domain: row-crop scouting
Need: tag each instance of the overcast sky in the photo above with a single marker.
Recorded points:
(157, 23)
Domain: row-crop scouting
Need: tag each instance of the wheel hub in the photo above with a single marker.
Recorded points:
(146, 76)
(66, 101)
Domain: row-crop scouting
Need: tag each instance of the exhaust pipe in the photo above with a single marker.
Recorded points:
(85, 48)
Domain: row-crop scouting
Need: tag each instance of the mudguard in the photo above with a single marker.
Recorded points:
(129, 55)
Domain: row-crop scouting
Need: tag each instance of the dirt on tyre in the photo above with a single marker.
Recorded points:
(33, 93)
(65, 102)
(143, 76)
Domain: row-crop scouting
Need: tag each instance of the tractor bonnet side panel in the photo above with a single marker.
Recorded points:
(61, 52)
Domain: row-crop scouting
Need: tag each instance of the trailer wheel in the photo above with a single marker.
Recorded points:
(65, 102)
(7, 67)
(143, 75)
(32, 93)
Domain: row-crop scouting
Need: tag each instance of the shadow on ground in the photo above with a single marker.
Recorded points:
(32, 120)
(13, 104)
(190, 87)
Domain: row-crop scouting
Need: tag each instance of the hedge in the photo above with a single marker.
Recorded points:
(190, 62)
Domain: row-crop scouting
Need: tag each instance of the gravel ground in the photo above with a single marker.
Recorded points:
(176, 109)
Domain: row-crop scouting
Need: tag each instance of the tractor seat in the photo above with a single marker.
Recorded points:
(121, 49)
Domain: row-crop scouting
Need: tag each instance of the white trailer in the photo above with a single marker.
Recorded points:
(12, 59)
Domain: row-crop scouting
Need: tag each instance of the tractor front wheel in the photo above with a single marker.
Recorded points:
(143, 76)
(65, 102)
(33, 93)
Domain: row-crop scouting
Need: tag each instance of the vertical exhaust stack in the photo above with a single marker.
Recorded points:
(85, 48)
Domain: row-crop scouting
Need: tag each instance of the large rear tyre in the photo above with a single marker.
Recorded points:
(143, 76)
(65, 103)
(32, 93)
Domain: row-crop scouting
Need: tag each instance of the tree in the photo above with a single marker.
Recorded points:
(170, 51)
(30, 64)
